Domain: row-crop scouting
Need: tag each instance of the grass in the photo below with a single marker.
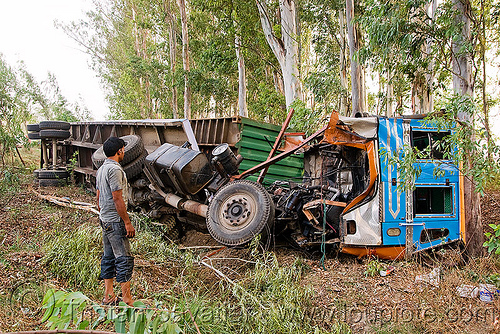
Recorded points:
(74, 256)
(259, 294)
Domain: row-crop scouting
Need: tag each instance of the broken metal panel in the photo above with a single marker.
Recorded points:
(368, 227)
(214, 131)
(363, 126)
(256, 141)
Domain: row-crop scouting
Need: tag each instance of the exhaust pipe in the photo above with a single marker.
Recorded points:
(182, 203)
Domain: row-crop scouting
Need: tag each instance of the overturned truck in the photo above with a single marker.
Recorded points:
(236, 178)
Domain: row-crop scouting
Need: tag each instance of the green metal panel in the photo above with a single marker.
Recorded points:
(256, 141)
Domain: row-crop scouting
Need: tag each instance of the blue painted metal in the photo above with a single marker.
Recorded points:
(394, 204)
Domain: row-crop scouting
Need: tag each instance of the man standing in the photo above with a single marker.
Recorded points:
(117, 260)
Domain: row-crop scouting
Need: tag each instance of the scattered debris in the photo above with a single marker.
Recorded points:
(486, 292)
(388, 271)
(432, 278)
(468, 291)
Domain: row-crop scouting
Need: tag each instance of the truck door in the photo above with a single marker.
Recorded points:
(394, 200)
(434, 204)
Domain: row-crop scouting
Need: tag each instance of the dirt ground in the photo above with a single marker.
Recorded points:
(342, 290)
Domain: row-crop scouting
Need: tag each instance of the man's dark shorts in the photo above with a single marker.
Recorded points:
(117, 260)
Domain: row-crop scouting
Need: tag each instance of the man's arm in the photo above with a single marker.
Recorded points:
(121, 208)
(98, 207)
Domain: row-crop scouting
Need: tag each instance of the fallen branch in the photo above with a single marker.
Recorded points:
(227, 279)
(200, 247)
(68, 203)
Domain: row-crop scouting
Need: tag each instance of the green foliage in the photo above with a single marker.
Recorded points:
(493, 242)
(150, 243)
(75, 255)
(373, 267)
(9, 180)
(305, 119)
(14, 110)
(64, 310)
(23, 99)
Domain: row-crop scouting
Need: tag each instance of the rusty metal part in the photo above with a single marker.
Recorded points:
(182, 203)
(314, 204)
(276, 144)
(292, 140)
(54, 153)
(44, 154)
(339, 134)
(279, 157)
(212, 253)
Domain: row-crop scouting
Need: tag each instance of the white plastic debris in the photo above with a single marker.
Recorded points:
(486, 292)
(468, 291)
(432, 278)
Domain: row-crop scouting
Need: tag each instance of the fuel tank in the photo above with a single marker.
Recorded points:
(185, 170)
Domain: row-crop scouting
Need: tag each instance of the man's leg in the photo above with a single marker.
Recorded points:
(108, 270)
(126, 294)
(124, 261)
(109, 294)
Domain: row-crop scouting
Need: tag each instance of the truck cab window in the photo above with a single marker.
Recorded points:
(433, 200)
(429, 141)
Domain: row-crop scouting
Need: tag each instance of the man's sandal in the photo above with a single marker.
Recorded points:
(113, 302)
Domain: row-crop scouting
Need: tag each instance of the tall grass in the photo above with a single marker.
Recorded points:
(74, 256)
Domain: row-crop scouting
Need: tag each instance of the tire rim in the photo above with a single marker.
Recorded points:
(237, 211)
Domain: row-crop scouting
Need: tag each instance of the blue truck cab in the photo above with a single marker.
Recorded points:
(392, 218)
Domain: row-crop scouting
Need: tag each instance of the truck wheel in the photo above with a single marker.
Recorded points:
(54, 134)
(51, 173)
(54, 125)
(169, 228)
(133, 149)
(33, 127)
(134, 168)
(51, 182)
(34, 135)
(239, 211)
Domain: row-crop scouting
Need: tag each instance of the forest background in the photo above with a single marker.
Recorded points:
(245, 57)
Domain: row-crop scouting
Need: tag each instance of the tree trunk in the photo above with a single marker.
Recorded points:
(483, 88)
(422, 99)
(138, 53)
(357, 71)
(242, 84)
(185, 58)
(463, 85)
(172, 48)
(389, 110)
(429, 76)
(343, 64)
(285, 49)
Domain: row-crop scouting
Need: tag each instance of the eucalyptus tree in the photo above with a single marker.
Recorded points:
(328, 76)
(185, 57)
(284, 46)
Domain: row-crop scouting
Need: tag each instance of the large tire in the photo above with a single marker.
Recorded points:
(133, 169)
(51, 173)
(51, 182)
(54, 125)
(238, 212)
(33, 127)
(34, 136)
(133, 149)
(54, 134)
